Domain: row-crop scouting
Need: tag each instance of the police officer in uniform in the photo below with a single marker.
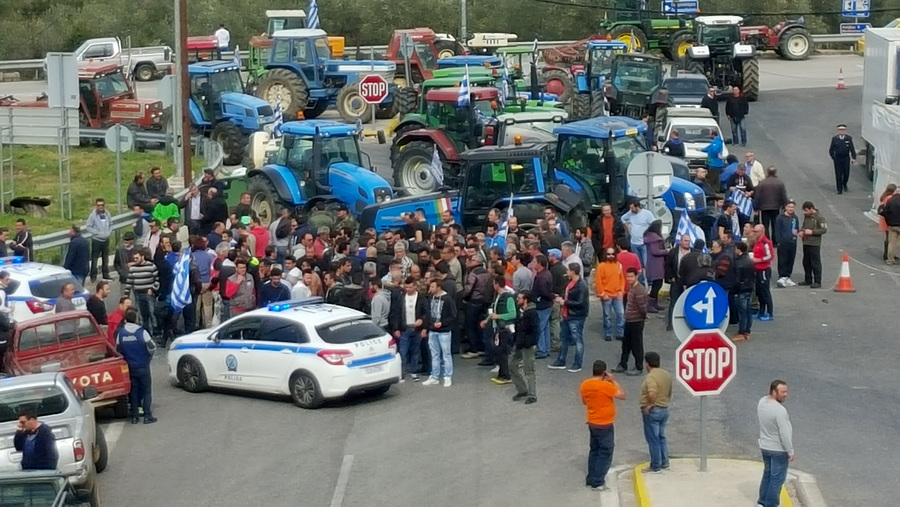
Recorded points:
(843, 154)
(137, 347)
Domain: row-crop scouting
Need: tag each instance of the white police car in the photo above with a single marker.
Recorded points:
(35, 286)
(306, 349)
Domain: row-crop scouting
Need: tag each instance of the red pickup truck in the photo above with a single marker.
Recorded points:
(71, 342)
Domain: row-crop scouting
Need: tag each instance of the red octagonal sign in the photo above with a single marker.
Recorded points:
(706, 362)
(373, 88)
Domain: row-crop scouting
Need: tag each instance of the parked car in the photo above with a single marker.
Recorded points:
(44, 488)
(144, 64)
(79, 440)
(73, 343)
(694, 126)
(686, 89)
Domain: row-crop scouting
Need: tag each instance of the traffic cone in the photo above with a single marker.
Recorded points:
(841, 85)
(845, 284)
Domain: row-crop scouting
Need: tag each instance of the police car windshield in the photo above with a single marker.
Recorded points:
(349, 331)
(44, 400)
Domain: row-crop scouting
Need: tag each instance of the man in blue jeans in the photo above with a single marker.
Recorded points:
(637, 220)
(775, 443)
(542, 290)
(137, 348)
(574, 311)
(744, 280)
(655, 395)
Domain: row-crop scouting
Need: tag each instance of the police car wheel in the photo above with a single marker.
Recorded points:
(305, 391)
(191, 375)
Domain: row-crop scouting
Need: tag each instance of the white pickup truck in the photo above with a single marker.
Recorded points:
(144, 64)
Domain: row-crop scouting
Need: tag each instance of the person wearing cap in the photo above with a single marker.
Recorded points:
(811, 232)
(842, 153)
(124, 255)
(345, 220)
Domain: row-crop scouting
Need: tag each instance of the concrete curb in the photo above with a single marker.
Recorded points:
(807, 489)
(611, 497)
(640, 488)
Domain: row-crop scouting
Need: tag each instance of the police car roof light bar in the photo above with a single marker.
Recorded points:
(280, 307)
(12, 259)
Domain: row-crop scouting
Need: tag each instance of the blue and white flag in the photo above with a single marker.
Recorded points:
(237, 56)
(504, 90)
(534, 51)
(685, 226)
(503, 228)
(463, 98)
(279, 118)
(744, 204)
(437, 168)
(181, 286)
(312, 21)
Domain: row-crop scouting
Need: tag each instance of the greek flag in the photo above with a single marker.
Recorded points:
(181, 287)
(504, 90)
(744, 203)
(437, 168)
(503, 228)
(463, 98)
(279, 118)
(237, 56)
(313, 20)
(534, 51)
(685, 226)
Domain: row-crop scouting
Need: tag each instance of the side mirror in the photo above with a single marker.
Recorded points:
(89, 393)
(288, 142)
(214, 337)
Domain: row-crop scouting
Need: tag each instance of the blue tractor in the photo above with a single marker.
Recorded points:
(220, 109)
(592, 157)
(318, 163)
(303, 76)
(590, 82)
(515, 175)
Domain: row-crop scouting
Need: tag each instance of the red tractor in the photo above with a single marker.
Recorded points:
(789, 39)
(106, 98)
(561, 63)
(429, 48)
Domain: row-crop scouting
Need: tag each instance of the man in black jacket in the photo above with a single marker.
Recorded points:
(736, 109)
(407, 322)
(574, 306)
(560, 279)
(36, 442)
(213, 209)
(542, 290)
(711, 103)
(439, 322)
(526, 339)
(475, 298)
(744, 281)
(842, 153)
(769, 197)
(672, 268)
(77, 255)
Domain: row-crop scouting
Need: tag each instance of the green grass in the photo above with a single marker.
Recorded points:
(93, 175)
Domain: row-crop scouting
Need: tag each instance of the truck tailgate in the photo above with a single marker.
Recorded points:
(110, 377)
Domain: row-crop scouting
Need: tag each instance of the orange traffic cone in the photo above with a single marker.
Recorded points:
(841, 85)
(845, 284)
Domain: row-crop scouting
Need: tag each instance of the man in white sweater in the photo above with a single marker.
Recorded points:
(775, 442)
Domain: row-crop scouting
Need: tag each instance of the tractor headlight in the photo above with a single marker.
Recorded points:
(382, 194)
(689, 203)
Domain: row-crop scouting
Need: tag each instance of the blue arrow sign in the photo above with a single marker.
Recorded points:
(855, 8)
(705, 306)
(851, 28)
(672, 7)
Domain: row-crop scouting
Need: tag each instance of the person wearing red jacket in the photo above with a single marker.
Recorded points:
(262, 237)
(763, 254)
(115, 318)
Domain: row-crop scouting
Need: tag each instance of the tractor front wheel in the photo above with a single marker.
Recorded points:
(387, 111)
(795, 44)
(350, 105)
(233, 142)
(264, 199)
(581, 106)
(406, 99)
(679, 46)
(559, 82)
(631, 35)
(412, 168)
(448, 48)
(284, 86)
(750, 79)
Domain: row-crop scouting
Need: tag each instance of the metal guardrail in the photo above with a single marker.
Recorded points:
(827, 38)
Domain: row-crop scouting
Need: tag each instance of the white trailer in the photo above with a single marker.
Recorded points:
(881, 108)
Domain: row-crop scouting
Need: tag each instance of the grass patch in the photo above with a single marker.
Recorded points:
(93, 175)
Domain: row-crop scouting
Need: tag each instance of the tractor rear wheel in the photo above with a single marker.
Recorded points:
(406, 99)
(315, 111)
(679, 45)
(264, 199)
(581, 106)
(233, 142)
(559, 82)
(289, 88)
(631, 35)
(795, 44)
(386, 112)
(598, 104)
(350, 105)
(412, 168)
(448, 48)
(750, 79)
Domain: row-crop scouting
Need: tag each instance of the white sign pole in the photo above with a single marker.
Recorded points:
(703, 424)
(118, 170)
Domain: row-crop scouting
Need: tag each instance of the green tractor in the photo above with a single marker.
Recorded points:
(633, 23)
(719, 54)
(635, 86)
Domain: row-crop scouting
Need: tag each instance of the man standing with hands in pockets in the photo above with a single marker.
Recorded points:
(775, 443)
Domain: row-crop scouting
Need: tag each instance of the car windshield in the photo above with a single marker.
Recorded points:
(695, 133)
(44, 400)
(30, 493)
(686, 87)
(602, 60)
(349, 331)
(111, 85)
(718, 35)
(228, 81)
(637, 77)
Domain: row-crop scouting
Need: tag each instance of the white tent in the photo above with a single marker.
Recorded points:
(886, 136)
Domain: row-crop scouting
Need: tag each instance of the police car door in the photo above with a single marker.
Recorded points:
(227, 360)
(278, 352)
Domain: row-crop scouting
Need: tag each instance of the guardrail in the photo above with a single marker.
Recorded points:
(818, 39)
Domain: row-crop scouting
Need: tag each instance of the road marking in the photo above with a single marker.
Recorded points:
(112, 432)
(341, 487)
(835, 213)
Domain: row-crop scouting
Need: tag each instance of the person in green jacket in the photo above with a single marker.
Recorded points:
(166, 209)
(501, 318)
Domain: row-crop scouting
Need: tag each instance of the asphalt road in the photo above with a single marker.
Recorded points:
(470, 445)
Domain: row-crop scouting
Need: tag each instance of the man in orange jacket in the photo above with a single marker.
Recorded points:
(611, 288)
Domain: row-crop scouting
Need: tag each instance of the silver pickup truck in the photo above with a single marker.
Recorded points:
(79, 440)
(144, 64)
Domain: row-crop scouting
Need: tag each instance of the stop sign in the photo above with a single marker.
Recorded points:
(706, 362)
(373, 88)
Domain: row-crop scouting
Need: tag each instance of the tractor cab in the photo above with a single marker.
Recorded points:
(720, 54)
(635, 85)
(600, 57)
(284, 19)
(461, 124)
(203, 48)
(422, 59)
(592, 157)
(525, 128)
(719, 33)
(107, 97)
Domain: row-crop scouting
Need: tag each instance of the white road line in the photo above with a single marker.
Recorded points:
(341, 487)
(112, 432)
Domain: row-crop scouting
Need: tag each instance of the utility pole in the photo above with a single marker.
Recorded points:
(462, 22)
(182, 92)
